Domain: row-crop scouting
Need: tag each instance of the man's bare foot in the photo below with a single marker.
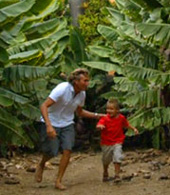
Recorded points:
(39, 173)
(60, 186)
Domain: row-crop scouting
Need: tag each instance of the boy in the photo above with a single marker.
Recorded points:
(112, 138)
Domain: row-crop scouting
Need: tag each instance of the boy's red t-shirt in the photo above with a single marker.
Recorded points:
(113, 131)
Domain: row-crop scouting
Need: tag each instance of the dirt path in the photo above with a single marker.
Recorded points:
(143, 173)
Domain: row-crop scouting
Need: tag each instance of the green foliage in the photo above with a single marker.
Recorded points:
(77, 44)
(136, 47)
(32, 43)
(36, 46)
(93, 15)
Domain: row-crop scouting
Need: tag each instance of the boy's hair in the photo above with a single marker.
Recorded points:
(75, 75)
(114, 102)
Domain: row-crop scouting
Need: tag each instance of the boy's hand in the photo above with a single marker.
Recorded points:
(136, 131)
(100, 127)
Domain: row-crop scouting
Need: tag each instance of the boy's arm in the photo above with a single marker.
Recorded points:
(101, 124)
(134, 129)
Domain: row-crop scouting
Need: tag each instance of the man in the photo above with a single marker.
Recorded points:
(57, 121)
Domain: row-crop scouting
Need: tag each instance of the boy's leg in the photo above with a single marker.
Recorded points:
(106, 159)
(105, 172)
(118, 156)
(117, 169)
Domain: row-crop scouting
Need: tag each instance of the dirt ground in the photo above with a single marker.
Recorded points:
(144, 172)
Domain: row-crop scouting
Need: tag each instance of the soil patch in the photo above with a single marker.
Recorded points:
(144, 172)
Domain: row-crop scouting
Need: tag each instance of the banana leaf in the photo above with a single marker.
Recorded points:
(5, 102)
(160, 32)
(104, 52)
(4, 3)
(11, 130)
(3, 55)
(77, 45)
(13, 96)
(19, 72)
(107, 32)
(140, 72)
(14, 10)
(25, 56)
(105, 66)
(31, 112)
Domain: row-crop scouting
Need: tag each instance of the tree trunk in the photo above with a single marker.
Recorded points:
(76, 9)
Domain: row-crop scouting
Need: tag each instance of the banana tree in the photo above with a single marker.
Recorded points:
(32, 43)
(137, 49)
(36, 46)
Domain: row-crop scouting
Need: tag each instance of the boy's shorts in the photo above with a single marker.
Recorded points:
(112, 153)
(65, 139)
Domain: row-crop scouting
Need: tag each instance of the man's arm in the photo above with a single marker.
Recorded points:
(87, 114)
(44, 111)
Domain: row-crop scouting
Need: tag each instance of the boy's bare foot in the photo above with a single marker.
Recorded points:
(39, 173)
(60, 186)
(106, 179)
(117, 179)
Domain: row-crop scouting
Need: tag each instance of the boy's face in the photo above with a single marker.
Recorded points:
(112, 110)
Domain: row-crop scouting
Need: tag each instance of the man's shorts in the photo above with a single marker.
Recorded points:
(112, 153)
(65, 139)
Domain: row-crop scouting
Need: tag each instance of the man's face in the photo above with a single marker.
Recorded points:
(82, 83)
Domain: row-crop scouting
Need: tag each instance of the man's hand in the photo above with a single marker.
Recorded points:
(99, 115)
(51, 133)
(100, 127)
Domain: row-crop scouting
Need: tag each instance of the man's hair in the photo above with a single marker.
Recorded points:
(114, 102)
(75, 75)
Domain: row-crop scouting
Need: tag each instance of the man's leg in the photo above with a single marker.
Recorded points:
(40, 168)
(62, 167)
